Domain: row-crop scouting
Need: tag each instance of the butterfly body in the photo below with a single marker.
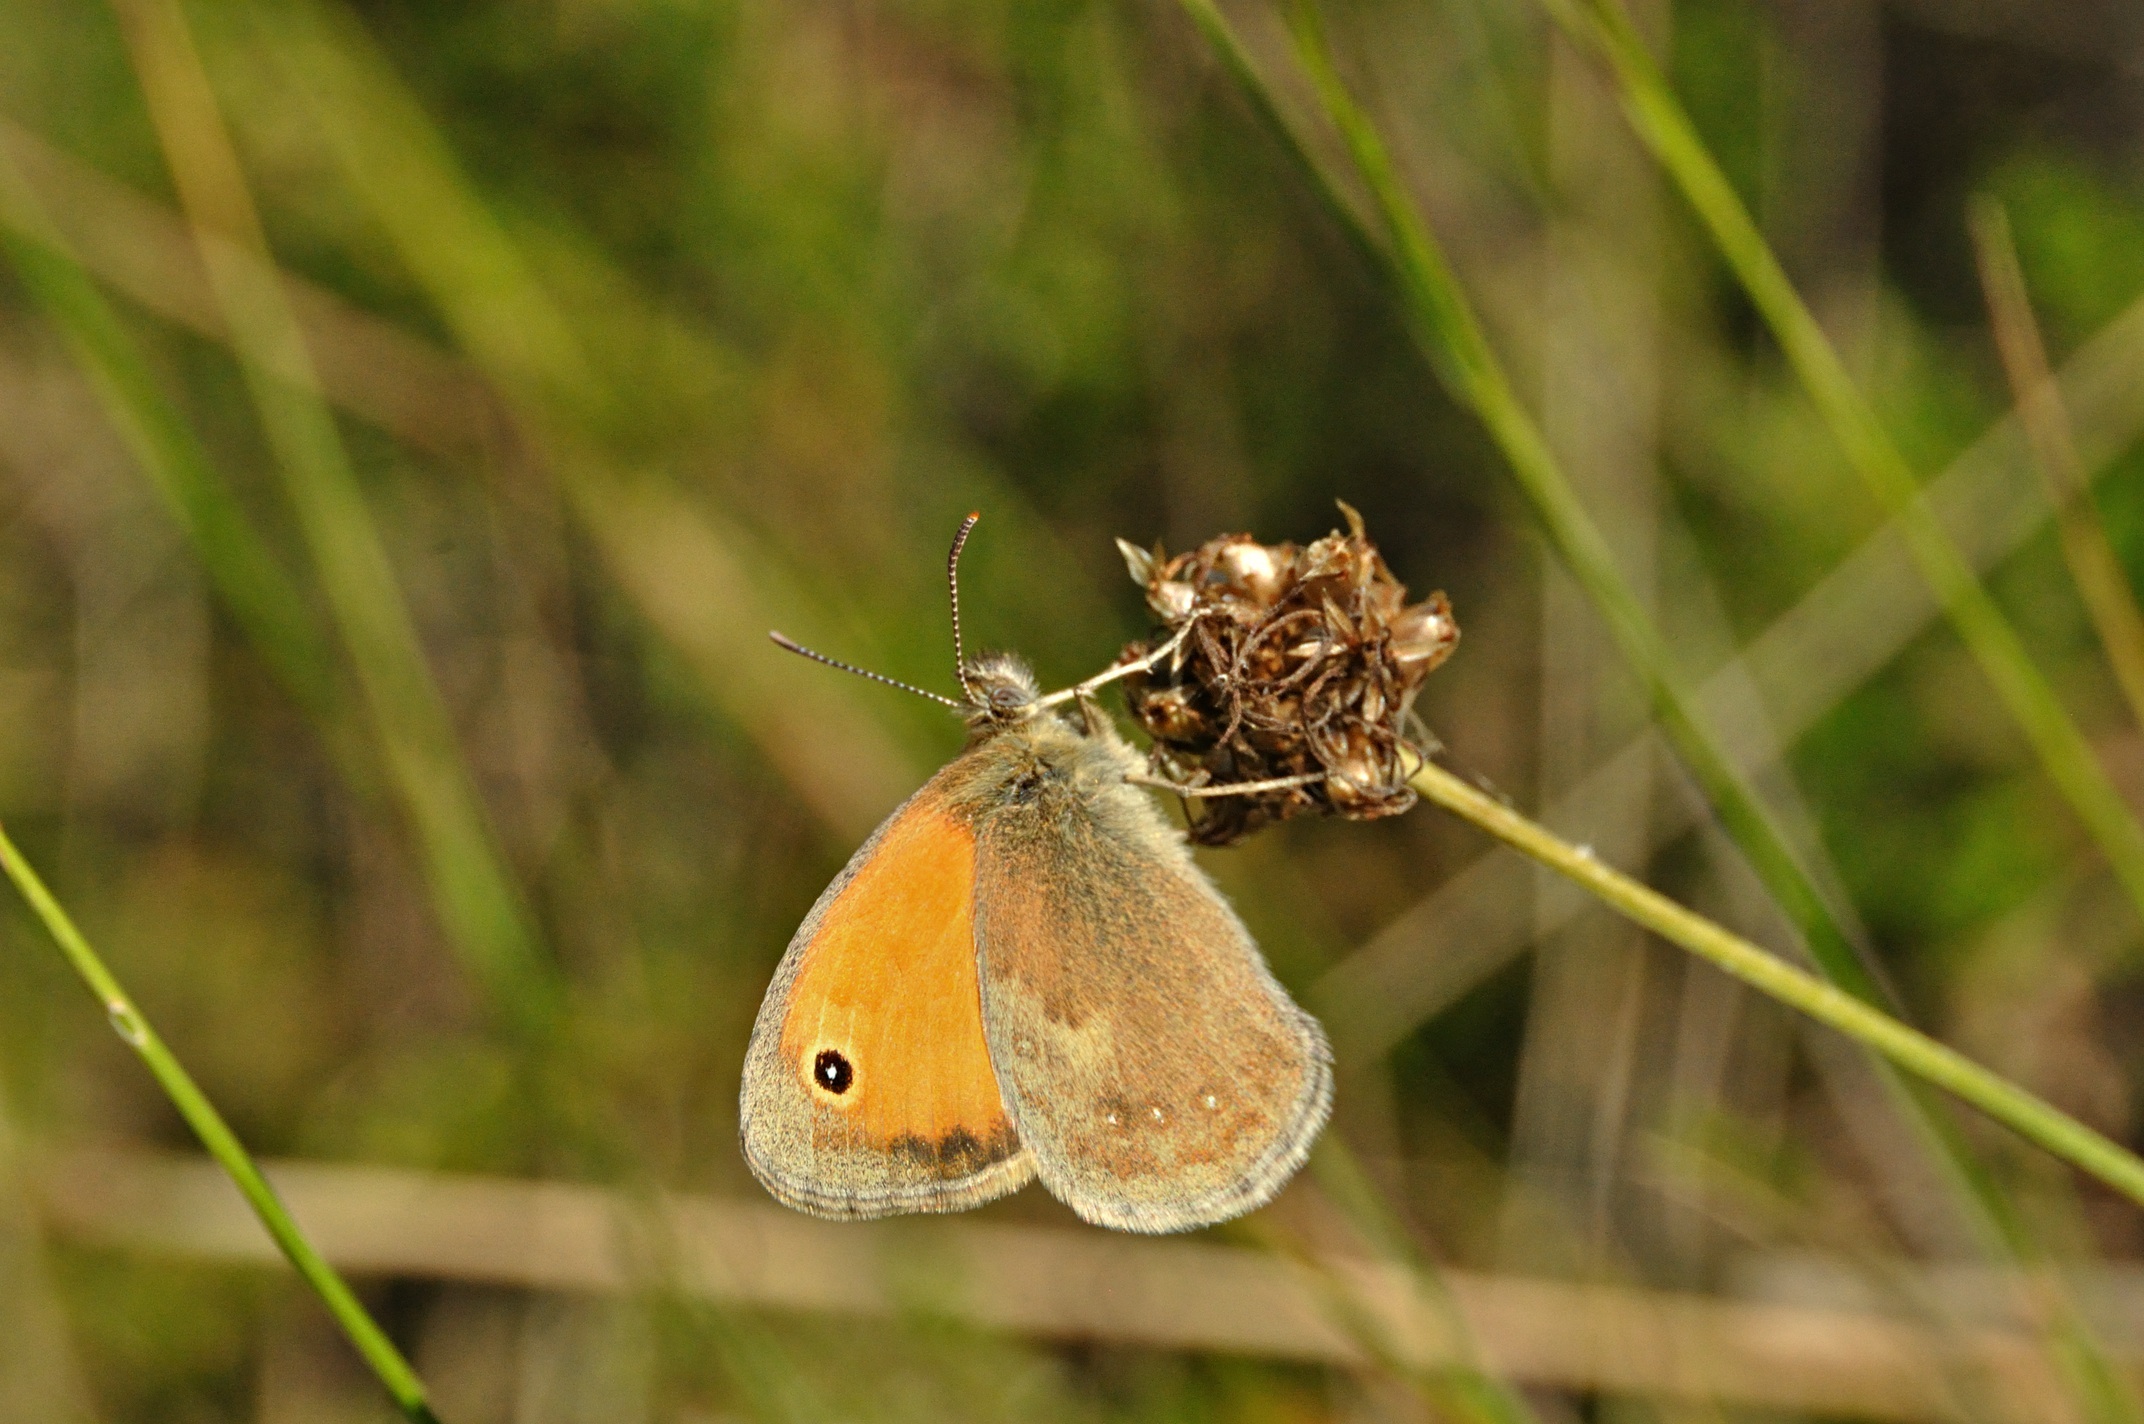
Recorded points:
(1023, 974)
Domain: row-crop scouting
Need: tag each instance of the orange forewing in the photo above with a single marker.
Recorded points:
(883, 976)
(889, 982)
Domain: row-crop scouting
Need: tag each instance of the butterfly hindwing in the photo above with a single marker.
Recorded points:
(868, 1087)
(1158, 1074)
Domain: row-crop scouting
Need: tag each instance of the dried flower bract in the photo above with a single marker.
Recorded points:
(1293, 683)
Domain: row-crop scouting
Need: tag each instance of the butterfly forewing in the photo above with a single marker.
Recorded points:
(868, 1086)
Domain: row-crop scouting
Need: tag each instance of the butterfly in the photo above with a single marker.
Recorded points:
(1023, 975)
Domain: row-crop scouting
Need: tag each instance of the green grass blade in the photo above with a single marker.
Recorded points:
(379, 1353)
(482, 281)
(1252, 86)
(478, 899)
(1664, 127)
(692, 571)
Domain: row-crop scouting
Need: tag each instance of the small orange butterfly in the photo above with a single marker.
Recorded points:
(1023, 974)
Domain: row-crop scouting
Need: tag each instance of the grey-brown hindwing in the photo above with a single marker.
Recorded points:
(1158, 1074)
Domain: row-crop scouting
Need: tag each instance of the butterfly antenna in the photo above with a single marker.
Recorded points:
(952, 584)
(784, 641)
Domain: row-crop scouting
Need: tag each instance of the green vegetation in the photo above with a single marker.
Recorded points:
(412, 418)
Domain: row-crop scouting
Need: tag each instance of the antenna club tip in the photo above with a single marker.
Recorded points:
(974, 516)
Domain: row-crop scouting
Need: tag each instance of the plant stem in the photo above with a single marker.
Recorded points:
(200, 1114)
(2023, 1112)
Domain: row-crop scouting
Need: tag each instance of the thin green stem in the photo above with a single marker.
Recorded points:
(200, 1114)
(2094, 566)
(1252, 87)
(2030, 1116)
(1663, 126)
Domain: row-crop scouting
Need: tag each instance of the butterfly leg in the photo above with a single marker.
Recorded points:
(1091, 714)
(1139, 664)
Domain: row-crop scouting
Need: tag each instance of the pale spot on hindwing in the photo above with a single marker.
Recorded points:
(1159, 1076)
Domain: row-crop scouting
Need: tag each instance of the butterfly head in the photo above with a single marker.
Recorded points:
(1000, 689)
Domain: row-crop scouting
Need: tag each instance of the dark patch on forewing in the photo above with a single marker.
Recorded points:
(960, 1153)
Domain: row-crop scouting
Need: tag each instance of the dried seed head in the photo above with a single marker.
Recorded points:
(1256, 573)
(1296, 662)
(1425, 633)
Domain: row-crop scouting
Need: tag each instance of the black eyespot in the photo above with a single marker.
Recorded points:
(832, 1072)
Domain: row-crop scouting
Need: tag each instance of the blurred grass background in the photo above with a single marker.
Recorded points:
(382, 656)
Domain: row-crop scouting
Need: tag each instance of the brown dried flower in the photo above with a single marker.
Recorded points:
(1292, 682)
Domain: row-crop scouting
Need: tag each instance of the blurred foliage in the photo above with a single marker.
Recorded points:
(778, 292)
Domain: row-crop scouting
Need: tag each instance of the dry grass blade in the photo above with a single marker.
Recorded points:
(380, 372)
(692, 574)
(261, 595)
(1078, 1286)
(2094, 566)
(40, 1376)
(1661, 123)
